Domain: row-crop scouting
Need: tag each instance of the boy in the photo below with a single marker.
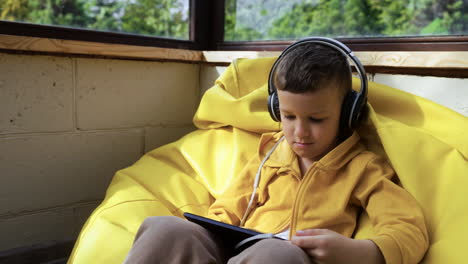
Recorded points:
(310, 189)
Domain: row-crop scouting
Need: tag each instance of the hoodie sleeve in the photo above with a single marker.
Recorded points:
(400, 229)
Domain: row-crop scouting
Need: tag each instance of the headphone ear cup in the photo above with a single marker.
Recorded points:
(347, 113)
(360, 111)
(273, 107)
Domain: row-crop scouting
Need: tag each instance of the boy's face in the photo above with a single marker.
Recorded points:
(311, 121)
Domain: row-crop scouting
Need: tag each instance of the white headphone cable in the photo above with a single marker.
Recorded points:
(257, 180)
(252, 238)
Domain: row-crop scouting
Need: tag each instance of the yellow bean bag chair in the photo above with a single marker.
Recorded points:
(426, 143)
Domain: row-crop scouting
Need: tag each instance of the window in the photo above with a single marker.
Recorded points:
(253, 20)
(364, 25)
(161, 18)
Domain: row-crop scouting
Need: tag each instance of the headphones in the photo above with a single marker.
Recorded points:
(353, 103)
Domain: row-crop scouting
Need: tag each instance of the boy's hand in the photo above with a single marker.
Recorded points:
(328, 247)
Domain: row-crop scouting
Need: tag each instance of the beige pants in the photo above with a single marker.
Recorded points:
(169, 239)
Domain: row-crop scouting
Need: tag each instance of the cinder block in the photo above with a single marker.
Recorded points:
(158, 136)
(36, 93)
(41, 227)
(121, 93)
(449, 92)
(47, 170)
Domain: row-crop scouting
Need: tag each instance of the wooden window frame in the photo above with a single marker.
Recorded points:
(442, 43)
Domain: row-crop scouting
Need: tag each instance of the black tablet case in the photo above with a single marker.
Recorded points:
(229, 235)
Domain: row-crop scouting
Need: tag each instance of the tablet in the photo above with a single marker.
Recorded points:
(234, 238)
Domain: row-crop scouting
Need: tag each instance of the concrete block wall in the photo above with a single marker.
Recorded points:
(68, 124)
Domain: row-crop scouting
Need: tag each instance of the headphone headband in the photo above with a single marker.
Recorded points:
(360, 97)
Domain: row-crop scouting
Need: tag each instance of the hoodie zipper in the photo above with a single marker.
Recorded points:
(308, 175)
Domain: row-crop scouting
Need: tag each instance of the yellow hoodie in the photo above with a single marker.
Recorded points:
(330, 195)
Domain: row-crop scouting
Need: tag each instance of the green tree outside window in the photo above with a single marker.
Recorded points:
(162, 18)
(295, 19)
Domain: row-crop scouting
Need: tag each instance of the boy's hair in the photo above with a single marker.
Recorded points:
(309, 68)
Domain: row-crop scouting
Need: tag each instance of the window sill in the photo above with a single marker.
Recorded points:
(73, 47)
(440, 63)
(423, 59)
